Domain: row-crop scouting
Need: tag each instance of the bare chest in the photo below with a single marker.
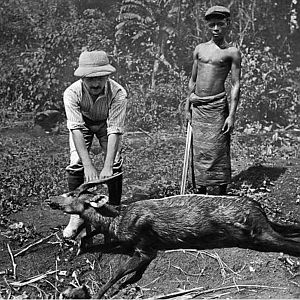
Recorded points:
(219, 57)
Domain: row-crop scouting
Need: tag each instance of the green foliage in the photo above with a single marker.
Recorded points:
(37, 82)
(151, 29)
(37, 78)
(41, 42)
(31, 170)
(152, 110)
(145, 20)
(268, 91)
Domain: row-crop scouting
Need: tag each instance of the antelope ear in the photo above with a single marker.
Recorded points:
(98, 201)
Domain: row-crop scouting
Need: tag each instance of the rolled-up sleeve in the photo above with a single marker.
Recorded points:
(117, 112)
(72, 108)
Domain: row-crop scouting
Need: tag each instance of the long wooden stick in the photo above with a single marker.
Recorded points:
(14, 265)
(32, 279)
(192, 164)
(186, 159)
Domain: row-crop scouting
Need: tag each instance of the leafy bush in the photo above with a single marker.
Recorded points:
(36, 68)
(268, 92)
(37, 78)
(158, 109)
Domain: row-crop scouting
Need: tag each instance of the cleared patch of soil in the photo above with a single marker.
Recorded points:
(221, 273)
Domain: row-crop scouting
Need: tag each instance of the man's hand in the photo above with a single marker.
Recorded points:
(228, 125)
(106, 172)
(187, 111)
(90, 173)
(188, 117)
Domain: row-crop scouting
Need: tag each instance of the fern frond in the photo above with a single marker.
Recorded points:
(130, 16)
(138, 35)
(168, 29)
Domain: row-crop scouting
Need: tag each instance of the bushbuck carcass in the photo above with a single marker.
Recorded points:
(189, 221)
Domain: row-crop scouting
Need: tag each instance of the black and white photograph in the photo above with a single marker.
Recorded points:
(149, 149)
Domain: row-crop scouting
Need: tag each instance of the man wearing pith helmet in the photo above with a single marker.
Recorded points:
(207, 109)
(95, 105)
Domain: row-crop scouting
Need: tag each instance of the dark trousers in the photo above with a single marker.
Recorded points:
(75, 169)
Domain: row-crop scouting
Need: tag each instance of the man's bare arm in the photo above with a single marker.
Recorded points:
(191, 87)
(112, 148)
(235, 78)
(192, 81)
(89, 170)
(235, 90)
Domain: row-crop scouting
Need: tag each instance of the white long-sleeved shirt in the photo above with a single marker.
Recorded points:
(110, 107)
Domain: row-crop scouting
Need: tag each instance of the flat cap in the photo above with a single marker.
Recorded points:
(217, 11)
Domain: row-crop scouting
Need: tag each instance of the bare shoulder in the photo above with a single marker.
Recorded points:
(200, 47)
(234, 52)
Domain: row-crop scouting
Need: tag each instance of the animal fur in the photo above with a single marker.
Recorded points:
(143, 228)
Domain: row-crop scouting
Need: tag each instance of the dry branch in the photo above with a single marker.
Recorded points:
(14, 265)
(222, 264)
(153, 281)
(6, 272)
(32, 279)
(238, 287)
(35, 244)
(147, 133)
(196, 293)
(186, 273)
(177, 294)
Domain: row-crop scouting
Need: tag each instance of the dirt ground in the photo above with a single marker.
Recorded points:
(222, 273)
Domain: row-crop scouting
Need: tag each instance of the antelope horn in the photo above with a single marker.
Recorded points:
(87, 185)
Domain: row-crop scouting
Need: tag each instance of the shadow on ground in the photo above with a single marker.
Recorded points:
(257, 175)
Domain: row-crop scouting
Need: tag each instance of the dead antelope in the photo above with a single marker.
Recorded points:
(143, 228)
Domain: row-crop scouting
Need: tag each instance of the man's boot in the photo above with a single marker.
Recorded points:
(75, 179)
(223, 189)
(115, 187)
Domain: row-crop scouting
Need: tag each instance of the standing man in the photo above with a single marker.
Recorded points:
(207, 107)
(94, 105)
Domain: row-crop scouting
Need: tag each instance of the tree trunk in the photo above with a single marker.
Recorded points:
(154, 72)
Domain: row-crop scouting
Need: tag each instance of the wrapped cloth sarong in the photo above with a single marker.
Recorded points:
(211, 147)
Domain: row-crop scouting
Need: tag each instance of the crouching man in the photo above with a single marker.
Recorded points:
(95, 105)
